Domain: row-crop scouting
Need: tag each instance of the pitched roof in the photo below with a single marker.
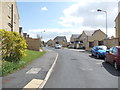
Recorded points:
(60, 38)
(75, 35)
(89, 32)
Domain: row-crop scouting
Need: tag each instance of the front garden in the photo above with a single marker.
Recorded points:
(14, 54)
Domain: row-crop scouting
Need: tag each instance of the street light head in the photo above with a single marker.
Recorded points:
(99, 10)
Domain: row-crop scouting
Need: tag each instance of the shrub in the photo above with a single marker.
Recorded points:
(13, 46)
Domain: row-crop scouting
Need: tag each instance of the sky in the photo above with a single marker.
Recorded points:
(52, 18)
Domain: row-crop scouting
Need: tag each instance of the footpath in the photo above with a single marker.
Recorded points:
(34, 75)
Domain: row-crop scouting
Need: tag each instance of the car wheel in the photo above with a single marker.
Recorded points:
(116, 66)
(98, 56)
(92, 54)
(105, 60)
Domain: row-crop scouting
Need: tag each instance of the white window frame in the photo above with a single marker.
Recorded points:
(9, 10)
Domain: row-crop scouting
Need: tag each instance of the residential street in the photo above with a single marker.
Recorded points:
(77, 69)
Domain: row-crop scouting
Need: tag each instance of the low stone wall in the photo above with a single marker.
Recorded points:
(33, 44)
(111, 42)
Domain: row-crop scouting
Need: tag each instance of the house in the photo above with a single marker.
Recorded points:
(117, 27)
(9, 16)
(50, 43)
(74, 42)
(90, 38)
(21, 31)
(60, 40)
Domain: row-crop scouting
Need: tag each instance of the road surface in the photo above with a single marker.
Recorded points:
(77, 69)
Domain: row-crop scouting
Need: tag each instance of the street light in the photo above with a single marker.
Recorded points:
(42, 34)
(99, 10)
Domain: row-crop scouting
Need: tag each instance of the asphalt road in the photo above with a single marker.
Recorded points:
(75, 69)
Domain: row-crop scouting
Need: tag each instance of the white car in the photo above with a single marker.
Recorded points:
(58, 46)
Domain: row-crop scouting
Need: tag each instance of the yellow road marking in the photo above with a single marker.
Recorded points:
(34, 83)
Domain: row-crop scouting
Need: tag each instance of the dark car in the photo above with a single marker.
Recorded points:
(113, 56)
(99, 51)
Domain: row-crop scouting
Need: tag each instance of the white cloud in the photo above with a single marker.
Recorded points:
(84, 13)
(44, 8)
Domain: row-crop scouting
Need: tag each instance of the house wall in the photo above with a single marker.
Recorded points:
(117, 26)
(98, 36)
(84, 38)
(33, 44)
(5, 19)
(0, 15)
(111, 42)
(50, 43)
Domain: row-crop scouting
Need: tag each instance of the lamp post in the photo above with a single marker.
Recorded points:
(42, 34)
(99, 10)
(42, 37)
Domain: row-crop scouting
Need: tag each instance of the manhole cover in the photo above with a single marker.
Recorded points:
(73, 59)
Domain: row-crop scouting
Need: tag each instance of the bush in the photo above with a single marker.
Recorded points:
(13, 46)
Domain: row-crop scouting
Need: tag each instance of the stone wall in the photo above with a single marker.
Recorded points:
(111, 42)
(33, 44)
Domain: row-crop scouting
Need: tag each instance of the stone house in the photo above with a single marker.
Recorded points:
(9, 16)
(74, 41)
(91, 38)
(50, 43)
(60, 40)
(117, 27)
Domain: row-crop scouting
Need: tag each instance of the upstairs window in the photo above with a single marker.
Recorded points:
(9, 11)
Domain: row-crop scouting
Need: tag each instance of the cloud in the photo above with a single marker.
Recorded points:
(44, 8)
(85, 13)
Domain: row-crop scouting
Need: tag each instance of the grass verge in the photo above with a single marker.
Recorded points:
(10, 67)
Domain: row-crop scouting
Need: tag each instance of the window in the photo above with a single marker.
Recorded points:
(100, 43)
(111, 50)
(115, 50)
(9, 11)
(102, 48)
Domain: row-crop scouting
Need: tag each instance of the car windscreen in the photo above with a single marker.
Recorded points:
(102, 48)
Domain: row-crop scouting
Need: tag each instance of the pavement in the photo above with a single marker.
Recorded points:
(78, 50)
(34, 75)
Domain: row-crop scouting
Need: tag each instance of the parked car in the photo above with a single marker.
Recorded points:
(113, 56)
(99, 51)
(58, 46)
